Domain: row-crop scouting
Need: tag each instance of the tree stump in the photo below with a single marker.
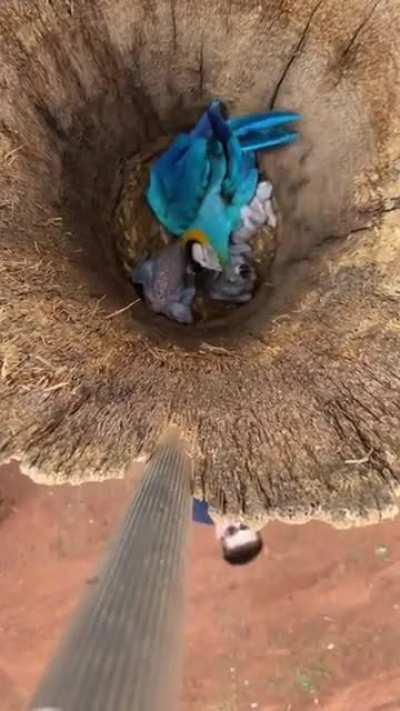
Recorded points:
(292, 407)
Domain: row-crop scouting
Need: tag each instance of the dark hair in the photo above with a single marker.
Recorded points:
(242, 554)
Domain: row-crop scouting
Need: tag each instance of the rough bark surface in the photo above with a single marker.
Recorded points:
(294, 410)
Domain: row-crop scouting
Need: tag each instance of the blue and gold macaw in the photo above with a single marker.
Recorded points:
(200, 184)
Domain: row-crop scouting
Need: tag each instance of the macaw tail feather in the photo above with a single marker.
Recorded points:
(260, 132)
(260, 141)
(251, 123)
(254, 132)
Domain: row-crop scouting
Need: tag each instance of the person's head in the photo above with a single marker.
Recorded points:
(239, 543)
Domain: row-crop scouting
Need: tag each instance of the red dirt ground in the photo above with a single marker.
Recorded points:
(314, 623)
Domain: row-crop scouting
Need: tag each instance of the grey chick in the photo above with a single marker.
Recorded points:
(235, 284)
(167, 282)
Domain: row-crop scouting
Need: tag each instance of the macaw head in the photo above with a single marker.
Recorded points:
(203, 252)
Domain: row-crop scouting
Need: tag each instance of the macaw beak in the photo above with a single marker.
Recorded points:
(206, 256)
(202, 251)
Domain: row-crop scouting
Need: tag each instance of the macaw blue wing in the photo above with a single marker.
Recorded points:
(215, 218)
(180, 178)
(178, 181)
